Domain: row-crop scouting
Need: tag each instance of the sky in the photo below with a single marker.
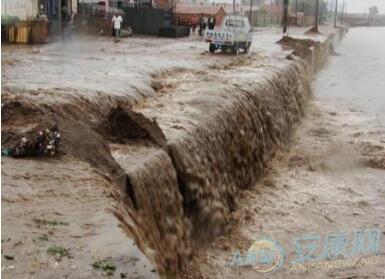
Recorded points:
(359, 6)
(353, 6)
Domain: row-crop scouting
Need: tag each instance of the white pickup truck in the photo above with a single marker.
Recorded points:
(234, 33)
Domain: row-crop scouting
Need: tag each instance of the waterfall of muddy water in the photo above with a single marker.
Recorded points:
(221, 130)
(220, 137)
(182, 156)
(152, 201)
(330, 180)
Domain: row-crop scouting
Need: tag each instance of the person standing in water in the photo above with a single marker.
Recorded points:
(66, 19)
(117, 21)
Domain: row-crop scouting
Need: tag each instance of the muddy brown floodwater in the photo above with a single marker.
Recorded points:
(169, 139)
(331, 177)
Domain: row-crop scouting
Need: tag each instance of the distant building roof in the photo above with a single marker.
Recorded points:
(238, 8)
(197, 9)
(273, 9)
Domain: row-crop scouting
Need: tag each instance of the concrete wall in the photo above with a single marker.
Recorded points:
(74, 6)
(20, 8)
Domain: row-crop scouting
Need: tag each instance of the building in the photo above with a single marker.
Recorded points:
(194, 2)
(32, 21)
(255, 3)
(189, 14)
(22, 9)
(28, 9)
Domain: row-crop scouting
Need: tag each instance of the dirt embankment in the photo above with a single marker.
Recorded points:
(314, 51)
(179, 159)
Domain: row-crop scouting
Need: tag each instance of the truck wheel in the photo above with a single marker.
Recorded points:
(212, 48)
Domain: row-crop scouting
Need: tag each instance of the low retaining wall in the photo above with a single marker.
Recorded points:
(314, 52)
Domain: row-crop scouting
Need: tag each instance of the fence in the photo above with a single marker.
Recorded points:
(26, 31)
(263, 20)
(267, 20)
(144, 20)
(95, 10)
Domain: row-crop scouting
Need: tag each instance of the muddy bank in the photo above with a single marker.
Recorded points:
(178, 159)
(314, 48)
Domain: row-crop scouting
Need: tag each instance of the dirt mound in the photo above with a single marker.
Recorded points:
(125, 125)
(28, 130)
(314, 52)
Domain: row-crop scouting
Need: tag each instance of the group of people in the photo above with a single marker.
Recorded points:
(203, 23)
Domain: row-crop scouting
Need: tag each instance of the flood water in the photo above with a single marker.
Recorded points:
(355, 77)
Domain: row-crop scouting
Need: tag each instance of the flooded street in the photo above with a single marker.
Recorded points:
(355, 77)
(329, 181)
(187, 157)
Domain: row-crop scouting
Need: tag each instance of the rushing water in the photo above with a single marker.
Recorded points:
(356, 76)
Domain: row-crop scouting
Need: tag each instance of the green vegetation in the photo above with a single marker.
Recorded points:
(43, 222)
(107, 265)
(58, 252)
(17, 243)
(43, 237)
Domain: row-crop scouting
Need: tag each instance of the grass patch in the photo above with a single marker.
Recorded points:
(43, 222)
(18, 243)
(107, 265)
(43, 237)
(58, 252)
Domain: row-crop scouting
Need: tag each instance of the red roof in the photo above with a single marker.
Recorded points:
(273, 9)
(197, 9)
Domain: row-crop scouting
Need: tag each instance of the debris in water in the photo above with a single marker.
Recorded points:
(6, 152)
(8, 257)
(44, 143)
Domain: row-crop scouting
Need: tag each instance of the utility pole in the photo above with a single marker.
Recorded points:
(59, 10)
(343, 12)
(336, 14)
(331, 10)
(234, 7)
(251, 13)
(296, 12)
(316, 16)
(285, 17)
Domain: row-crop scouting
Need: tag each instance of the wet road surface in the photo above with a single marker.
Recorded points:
(356, 76)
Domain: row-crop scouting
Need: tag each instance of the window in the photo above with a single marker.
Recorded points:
(235, 23)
